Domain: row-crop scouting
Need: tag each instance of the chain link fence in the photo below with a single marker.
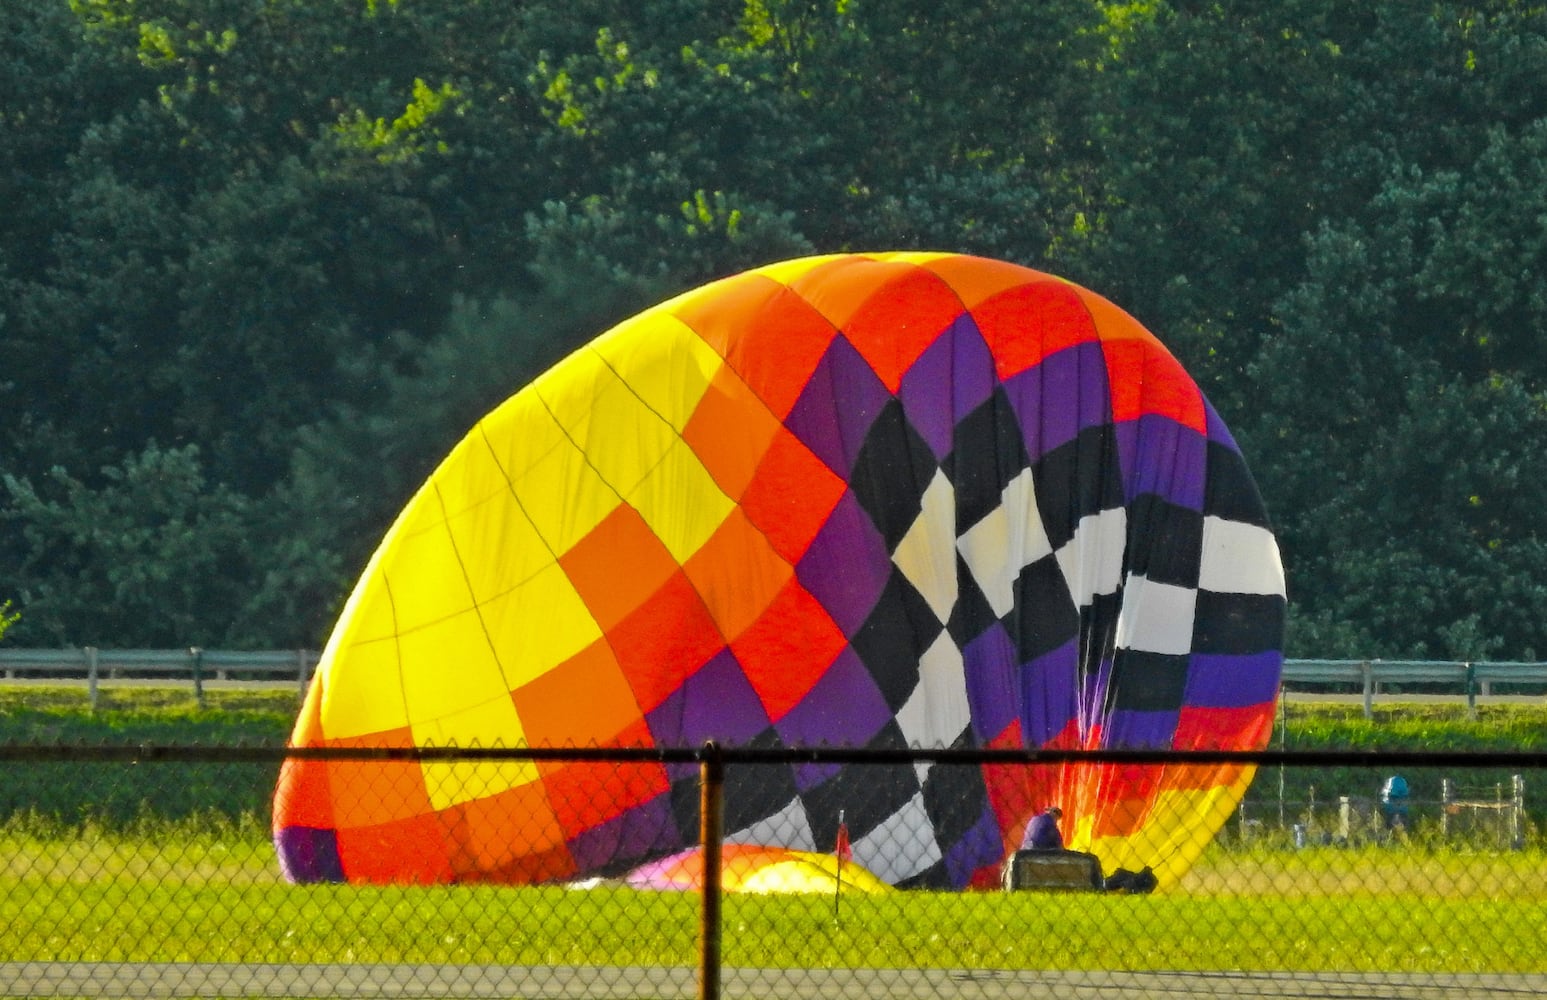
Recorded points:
(152, 871)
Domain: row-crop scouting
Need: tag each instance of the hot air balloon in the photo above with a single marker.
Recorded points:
(868, 500)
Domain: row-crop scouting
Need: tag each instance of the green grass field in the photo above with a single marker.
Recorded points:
(191, 893)
(162, 863)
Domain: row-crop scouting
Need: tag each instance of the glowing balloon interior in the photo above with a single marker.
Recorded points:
(863, 500)
(747, 868)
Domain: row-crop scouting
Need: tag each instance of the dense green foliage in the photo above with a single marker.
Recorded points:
(263, 261)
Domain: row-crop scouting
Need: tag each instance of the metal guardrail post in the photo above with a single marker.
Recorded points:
(196, 657)
(91, 676)
(711, 813)
(1369, 689)
(1471, 691)
(303, 673)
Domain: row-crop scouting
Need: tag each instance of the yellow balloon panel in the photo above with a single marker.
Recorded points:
(426, 583)
(665, 364)
(564, 497)
(807, 875)
(423, 513)
(789, 271)
(680, 501)
(364, 695)
(537, 626)
(922, 258)
(620, 435)
(521, 433)
(367, 617)
(492, 723)
(498, 545)
(572, 397)
(447, 666)
(469, 477)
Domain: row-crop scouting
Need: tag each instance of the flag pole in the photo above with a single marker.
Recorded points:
(840, 848)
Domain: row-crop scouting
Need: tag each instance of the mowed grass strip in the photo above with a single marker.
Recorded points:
(209, 896)
(121, 795)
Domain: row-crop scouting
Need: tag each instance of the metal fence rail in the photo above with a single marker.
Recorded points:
(192, 666)
(1371, 678)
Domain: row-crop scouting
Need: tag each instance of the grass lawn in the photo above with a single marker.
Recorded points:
(193, 893)
(159, 863)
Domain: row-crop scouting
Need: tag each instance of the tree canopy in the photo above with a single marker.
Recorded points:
(263, 261)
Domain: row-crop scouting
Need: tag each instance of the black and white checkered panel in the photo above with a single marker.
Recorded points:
(1199, 582)
(1049, 555)
(937, 712)
(1241, 590)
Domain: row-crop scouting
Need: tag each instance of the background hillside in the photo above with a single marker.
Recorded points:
(263, 261)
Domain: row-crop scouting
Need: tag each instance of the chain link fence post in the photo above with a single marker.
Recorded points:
(711, 830)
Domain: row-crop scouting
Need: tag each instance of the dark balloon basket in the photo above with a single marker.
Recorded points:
(1053, 871)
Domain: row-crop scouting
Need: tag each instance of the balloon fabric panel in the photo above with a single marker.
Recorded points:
(864, 500)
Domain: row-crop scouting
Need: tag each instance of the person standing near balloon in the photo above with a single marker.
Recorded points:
(1043, 834)
(1393, 804)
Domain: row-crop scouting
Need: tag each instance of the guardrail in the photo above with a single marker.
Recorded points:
(177, 665)
(93, 665)
(1369, 676)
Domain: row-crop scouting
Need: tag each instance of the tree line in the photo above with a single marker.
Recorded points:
(262, 262)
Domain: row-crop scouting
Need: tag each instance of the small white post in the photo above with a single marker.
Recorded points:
(1517, 839)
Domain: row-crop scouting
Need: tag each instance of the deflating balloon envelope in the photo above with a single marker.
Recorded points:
(880, 500)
